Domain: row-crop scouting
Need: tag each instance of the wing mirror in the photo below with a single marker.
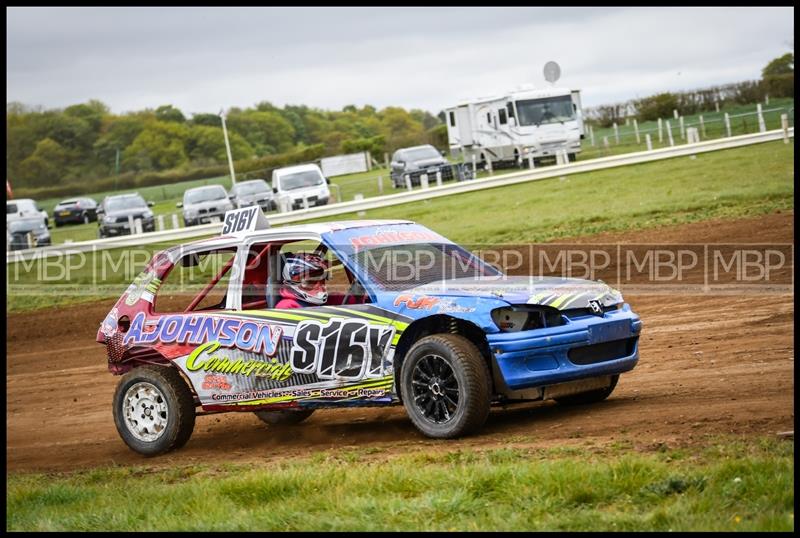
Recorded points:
(179, 204)
(150, 204)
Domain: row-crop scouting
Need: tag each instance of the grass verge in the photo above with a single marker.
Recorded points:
(731, 484)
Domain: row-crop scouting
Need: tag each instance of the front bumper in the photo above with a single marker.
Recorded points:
(587, 346)
(313, 201)
(122, 228)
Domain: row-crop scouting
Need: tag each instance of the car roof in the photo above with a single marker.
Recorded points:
(298, 168)
(318, 228)
(204, 187)
(126, 195)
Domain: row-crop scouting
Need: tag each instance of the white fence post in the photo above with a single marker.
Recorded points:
(616, 133)
(175, 224)
(605, 143)
(438, 178)
(669, 134)
(369, 160)
(660, 131)
(530, 160)
(137, 226)
(380, 184)
(474, 168)
(489, 166)
(762, 127)
(409, 186)
(675, 113)
(766, 99)
(305, 202)
(728, 124)
(358, 197)
(591, 135)
(702, 126)
(423, 181)
(649, 142)
(386, 160)
(785, 127)
(691, 135)
(130, 224)
(683, 129)
(636, 131)
(716, 105)
(160, 222)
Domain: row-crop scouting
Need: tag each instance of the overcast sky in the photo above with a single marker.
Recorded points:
(202, 59)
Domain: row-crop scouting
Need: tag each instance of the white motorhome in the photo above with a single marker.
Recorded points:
(524, 123)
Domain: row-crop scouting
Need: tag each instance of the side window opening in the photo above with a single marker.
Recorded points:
(452, 119)
(198, 281)
(501, 113)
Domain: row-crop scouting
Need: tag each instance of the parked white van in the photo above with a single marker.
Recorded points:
(294, 183)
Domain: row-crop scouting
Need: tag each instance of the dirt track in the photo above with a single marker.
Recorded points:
(709, 364)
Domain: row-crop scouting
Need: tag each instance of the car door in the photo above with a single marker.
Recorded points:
(338, 352)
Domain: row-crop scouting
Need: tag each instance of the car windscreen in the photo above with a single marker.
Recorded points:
(11, 208)
(421, 154)
(251, 188)
(401, 267)
(204, 195)
(549, 110)
(25, 225)
(300, 180)
(125, 202)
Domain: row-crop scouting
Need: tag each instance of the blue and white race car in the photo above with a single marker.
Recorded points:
(411, 318)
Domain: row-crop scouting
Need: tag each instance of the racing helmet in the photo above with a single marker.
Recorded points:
(305, 276)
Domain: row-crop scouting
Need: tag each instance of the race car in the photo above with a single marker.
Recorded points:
(410, 319)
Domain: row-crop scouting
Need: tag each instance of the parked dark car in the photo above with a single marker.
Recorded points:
(75, 211)
(114, 211)
(418, 160)
(27, 232)
(255, 191)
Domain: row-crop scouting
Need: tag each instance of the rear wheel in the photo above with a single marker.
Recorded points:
(284, 416)
(154, 409)
(445, 386)
(593, 396)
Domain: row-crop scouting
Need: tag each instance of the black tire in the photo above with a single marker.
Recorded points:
(593, 396)
(173, 391)
(284, 416)
(456, 400)
(57, 224)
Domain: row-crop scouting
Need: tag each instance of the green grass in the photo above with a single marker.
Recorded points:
(734, 183)
(730, 484)
(714, 128)
(722, 184)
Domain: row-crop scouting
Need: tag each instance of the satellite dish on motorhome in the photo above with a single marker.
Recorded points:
(552, 72)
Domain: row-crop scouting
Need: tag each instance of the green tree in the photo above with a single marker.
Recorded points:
(169, 113)
(206, 145)
(45, 166)
(159, 146)
(209, 120)
(783, 65)
(651, 108)
(266, 132)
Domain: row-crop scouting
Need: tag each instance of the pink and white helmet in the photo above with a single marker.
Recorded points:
(305, 276)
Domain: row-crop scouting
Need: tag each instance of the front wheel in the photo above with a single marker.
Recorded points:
(593, 396)
(284, 416)
(445, 386)
(153, 409)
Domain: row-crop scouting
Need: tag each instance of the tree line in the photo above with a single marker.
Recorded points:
(86, 143)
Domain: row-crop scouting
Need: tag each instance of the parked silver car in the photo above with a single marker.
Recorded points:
(255, 191)
(202, 205)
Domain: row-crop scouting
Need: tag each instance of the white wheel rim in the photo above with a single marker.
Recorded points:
(145, 411)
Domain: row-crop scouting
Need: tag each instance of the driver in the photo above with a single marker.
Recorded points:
(304, 281)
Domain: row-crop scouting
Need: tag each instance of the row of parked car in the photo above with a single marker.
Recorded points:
(293, 187)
